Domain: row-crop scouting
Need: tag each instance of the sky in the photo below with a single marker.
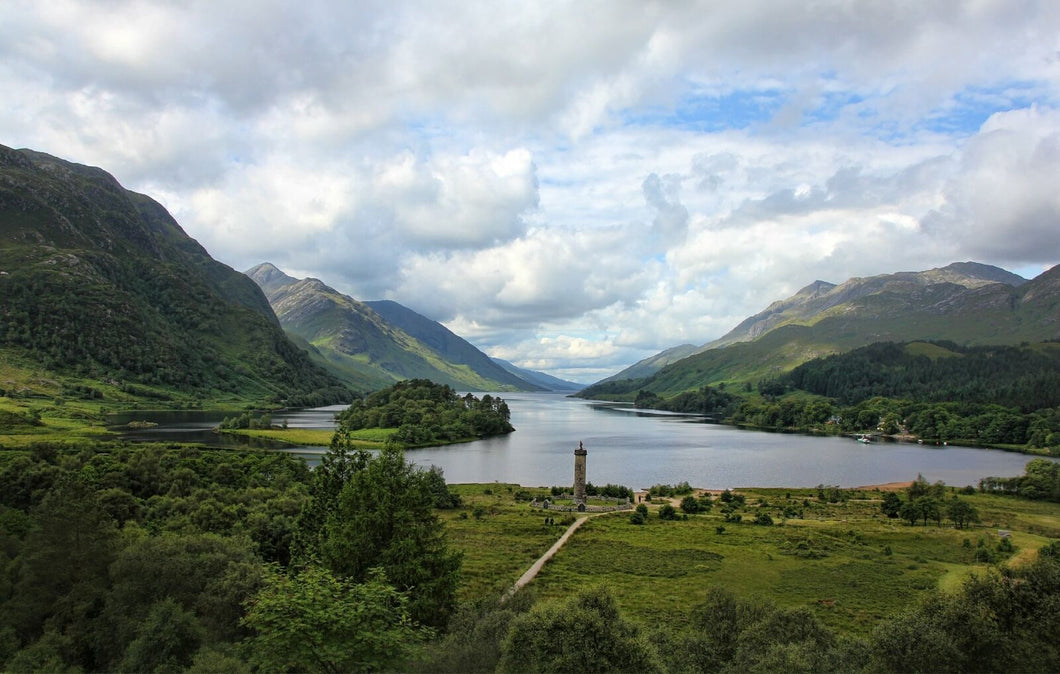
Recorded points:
(571, 186)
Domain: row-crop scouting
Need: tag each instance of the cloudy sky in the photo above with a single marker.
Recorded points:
(571, 186)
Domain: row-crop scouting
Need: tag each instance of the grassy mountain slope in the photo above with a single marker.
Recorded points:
(822, 319)
(821, 298)
(652, 364)
(446, 343)
(101, 284)
(361, 346)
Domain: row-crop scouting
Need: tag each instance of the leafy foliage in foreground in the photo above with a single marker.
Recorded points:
(159, 559)
(370, 511)
(317, 622)
(424, 412)
(137, 559)
(1000, 621)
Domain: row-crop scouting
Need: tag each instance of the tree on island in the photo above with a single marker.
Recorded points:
(425, 413)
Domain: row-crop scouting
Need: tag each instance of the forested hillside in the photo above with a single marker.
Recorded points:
(101, 283)
(941, 392)
(1025, 377)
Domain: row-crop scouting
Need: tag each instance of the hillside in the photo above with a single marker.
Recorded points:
(652, 364)
(964, 303)
(821, 297)
(100, 284)
(447, 344)
(371, 350)
(542, 379)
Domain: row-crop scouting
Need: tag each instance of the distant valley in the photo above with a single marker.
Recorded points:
(374, 344)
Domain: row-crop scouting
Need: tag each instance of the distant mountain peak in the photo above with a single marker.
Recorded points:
(269, 277)
(372, 344)
(967, 302)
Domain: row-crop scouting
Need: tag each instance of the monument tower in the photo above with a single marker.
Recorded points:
(579, 474)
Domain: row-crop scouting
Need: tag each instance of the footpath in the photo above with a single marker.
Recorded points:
(536, 566)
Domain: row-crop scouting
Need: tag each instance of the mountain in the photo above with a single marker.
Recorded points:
(545, 381)
(446, 343)
(101, 283)
(820, 296)
(652, 364)
(967, 303)
(374, 344)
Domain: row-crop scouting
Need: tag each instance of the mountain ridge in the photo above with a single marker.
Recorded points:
(968, 303)
(102, 283)
(372, 350)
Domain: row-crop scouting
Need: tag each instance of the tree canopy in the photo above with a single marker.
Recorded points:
(424, 413)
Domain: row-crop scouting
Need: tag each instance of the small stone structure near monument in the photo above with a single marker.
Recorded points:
(579, 496)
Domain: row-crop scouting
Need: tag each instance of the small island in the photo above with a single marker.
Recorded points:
(424, 414)
(412, 413)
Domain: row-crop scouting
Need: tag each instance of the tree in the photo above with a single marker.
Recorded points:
(910, 512)
(763, 519)
(929, 509)
(166, 641)
(315, 622)
(961, 512)
(63, 572)
(384, 516)
(690, 504)
(586, 633)
(892, 505)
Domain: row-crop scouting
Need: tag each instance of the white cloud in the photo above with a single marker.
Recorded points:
(1003, 203)
(572, 184)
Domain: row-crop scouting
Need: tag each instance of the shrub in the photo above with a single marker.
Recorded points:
(667, 512)
(636, 517)
(764, 519)
(690, 505)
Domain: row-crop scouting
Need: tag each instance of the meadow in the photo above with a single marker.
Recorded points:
(845, 561)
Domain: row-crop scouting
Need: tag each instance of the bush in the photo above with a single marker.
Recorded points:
(667, 512)
(690, 504)
(636, 517)
(764, 519)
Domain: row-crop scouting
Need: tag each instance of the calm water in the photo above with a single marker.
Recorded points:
(639, 449)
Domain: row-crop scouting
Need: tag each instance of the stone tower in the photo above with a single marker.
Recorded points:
(579, 474)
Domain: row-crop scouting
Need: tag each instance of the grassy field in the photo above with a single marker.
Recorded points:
(844, 561)
(368, 438)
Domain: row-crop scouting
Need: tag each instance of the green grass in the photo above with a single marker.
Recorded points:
(844, 561)
(369, 438)
(500, 545)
